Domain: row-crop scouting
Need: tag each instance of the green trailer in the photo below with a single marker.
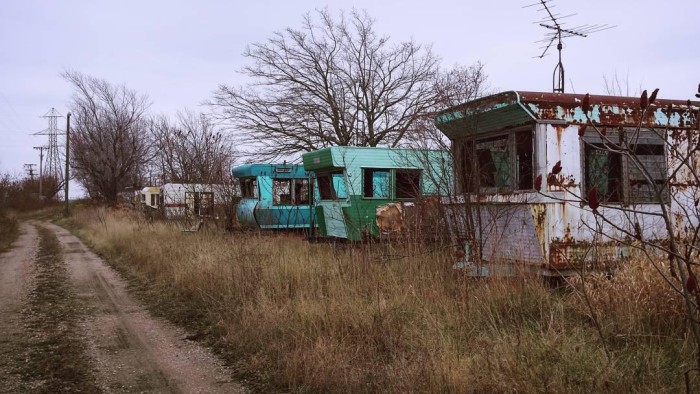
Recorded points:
(368, 191)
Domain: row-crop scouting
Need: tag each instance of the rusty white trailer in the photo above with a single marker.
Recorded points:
(187, 200)
(501, 144)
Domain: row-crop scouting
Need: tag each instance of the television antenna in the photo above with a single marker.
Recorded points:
(556, 32)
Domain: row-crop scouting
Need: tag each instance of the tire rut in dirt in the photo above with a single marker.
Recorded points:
(51, 357)
(132, 351)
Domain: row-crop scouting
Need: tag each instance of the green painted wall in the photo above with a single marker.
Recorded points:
(350, 218)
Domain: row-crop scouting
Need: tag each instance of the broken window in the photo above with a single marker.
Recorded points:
(604, 172)
(376, 183)
(249, 188)
(407, 183)
(621, 178)
(154, 200)
(200, 203)
(302, 192)
(493, 158)
(282, 191)
(331, 186)
(497, 164)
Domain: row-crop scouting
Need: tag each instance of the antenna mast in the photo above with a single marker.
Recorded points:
(551, 21)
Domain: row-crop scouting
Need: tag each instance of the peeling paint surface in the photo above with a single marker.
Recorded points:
(554, 231)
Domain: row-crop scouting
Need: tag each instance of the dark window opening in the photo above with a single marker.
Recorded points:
(408, 183)
(249, 188)
(302, 192)
(621, 178)
(493, 158)
(331, 186)
(497, 164)
(604, 172)
(524, 160)
(376, 183)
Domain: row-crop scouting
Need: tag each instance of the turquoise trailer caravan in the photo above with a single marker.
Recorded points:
(368, 190)
(274, 196)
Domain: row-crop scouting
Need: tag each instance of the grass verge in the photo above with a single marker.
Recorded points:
(395, 318)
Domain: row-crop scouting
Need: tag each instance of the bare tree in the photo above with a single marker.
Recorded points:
(331, 82)
(191, 150)
(108, 137)
(451, 87)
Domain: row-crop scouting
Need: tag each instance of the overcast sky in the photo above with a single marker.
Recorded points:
(177, 52)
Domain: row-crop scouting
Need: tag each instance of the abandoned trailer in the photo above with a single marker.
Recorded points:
(367, 191)
(191, 200)
(512, 204)
(150, 198)
(275, 196)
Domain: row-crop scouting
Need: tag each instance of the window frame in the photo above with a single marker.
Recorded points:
(392, 183)
(646, 137)
(468, 174)
(293, 183)
(418, 190)
(390, 189)
(330, 175)
(253, 188)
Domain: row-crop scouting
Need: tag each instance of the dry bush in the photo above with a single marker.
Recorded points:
(395, 318)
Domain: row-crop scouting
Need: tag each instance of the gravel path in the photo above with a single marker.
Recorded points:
(16, 269)
(129, 350)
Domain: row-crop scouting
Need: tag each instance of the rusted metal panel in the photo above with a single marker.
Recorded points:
(487, 114)
(563, 231)
(421, 219)
(610, 110)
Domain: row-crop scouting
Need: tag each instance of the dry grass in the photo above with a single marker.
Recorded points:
(337, 318)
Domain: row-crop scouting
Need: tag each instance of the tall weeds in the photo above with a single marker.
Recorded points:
(395, 317)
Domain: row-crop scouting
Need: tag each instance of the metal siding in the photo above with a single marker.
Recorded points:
(253, 170)
(510, 234)
(316, 160)
(334, 219)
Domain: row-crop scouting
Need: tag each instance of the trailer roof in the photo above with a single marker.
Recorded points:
(515, 108)
(361, 156)
(273, 170)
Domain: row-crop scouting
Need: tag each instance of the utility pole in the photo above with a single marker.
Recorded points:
(41, 174)
(66, 208)
(30, 170)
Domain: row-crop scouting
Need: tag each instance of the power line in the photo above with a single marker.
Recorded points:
(53, 156)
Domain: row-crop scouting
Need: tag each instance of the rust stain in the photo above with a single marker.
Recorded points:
(539, 216)
(559, 130)
(389, 218)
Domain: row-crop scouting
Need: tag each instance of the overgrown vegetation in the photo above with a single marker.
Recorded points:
(51, 359)
(396, 318)
(9, 229)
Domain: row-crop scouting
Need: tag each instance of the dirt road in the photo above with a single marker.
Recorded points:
(16, 269)
(127, 349)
